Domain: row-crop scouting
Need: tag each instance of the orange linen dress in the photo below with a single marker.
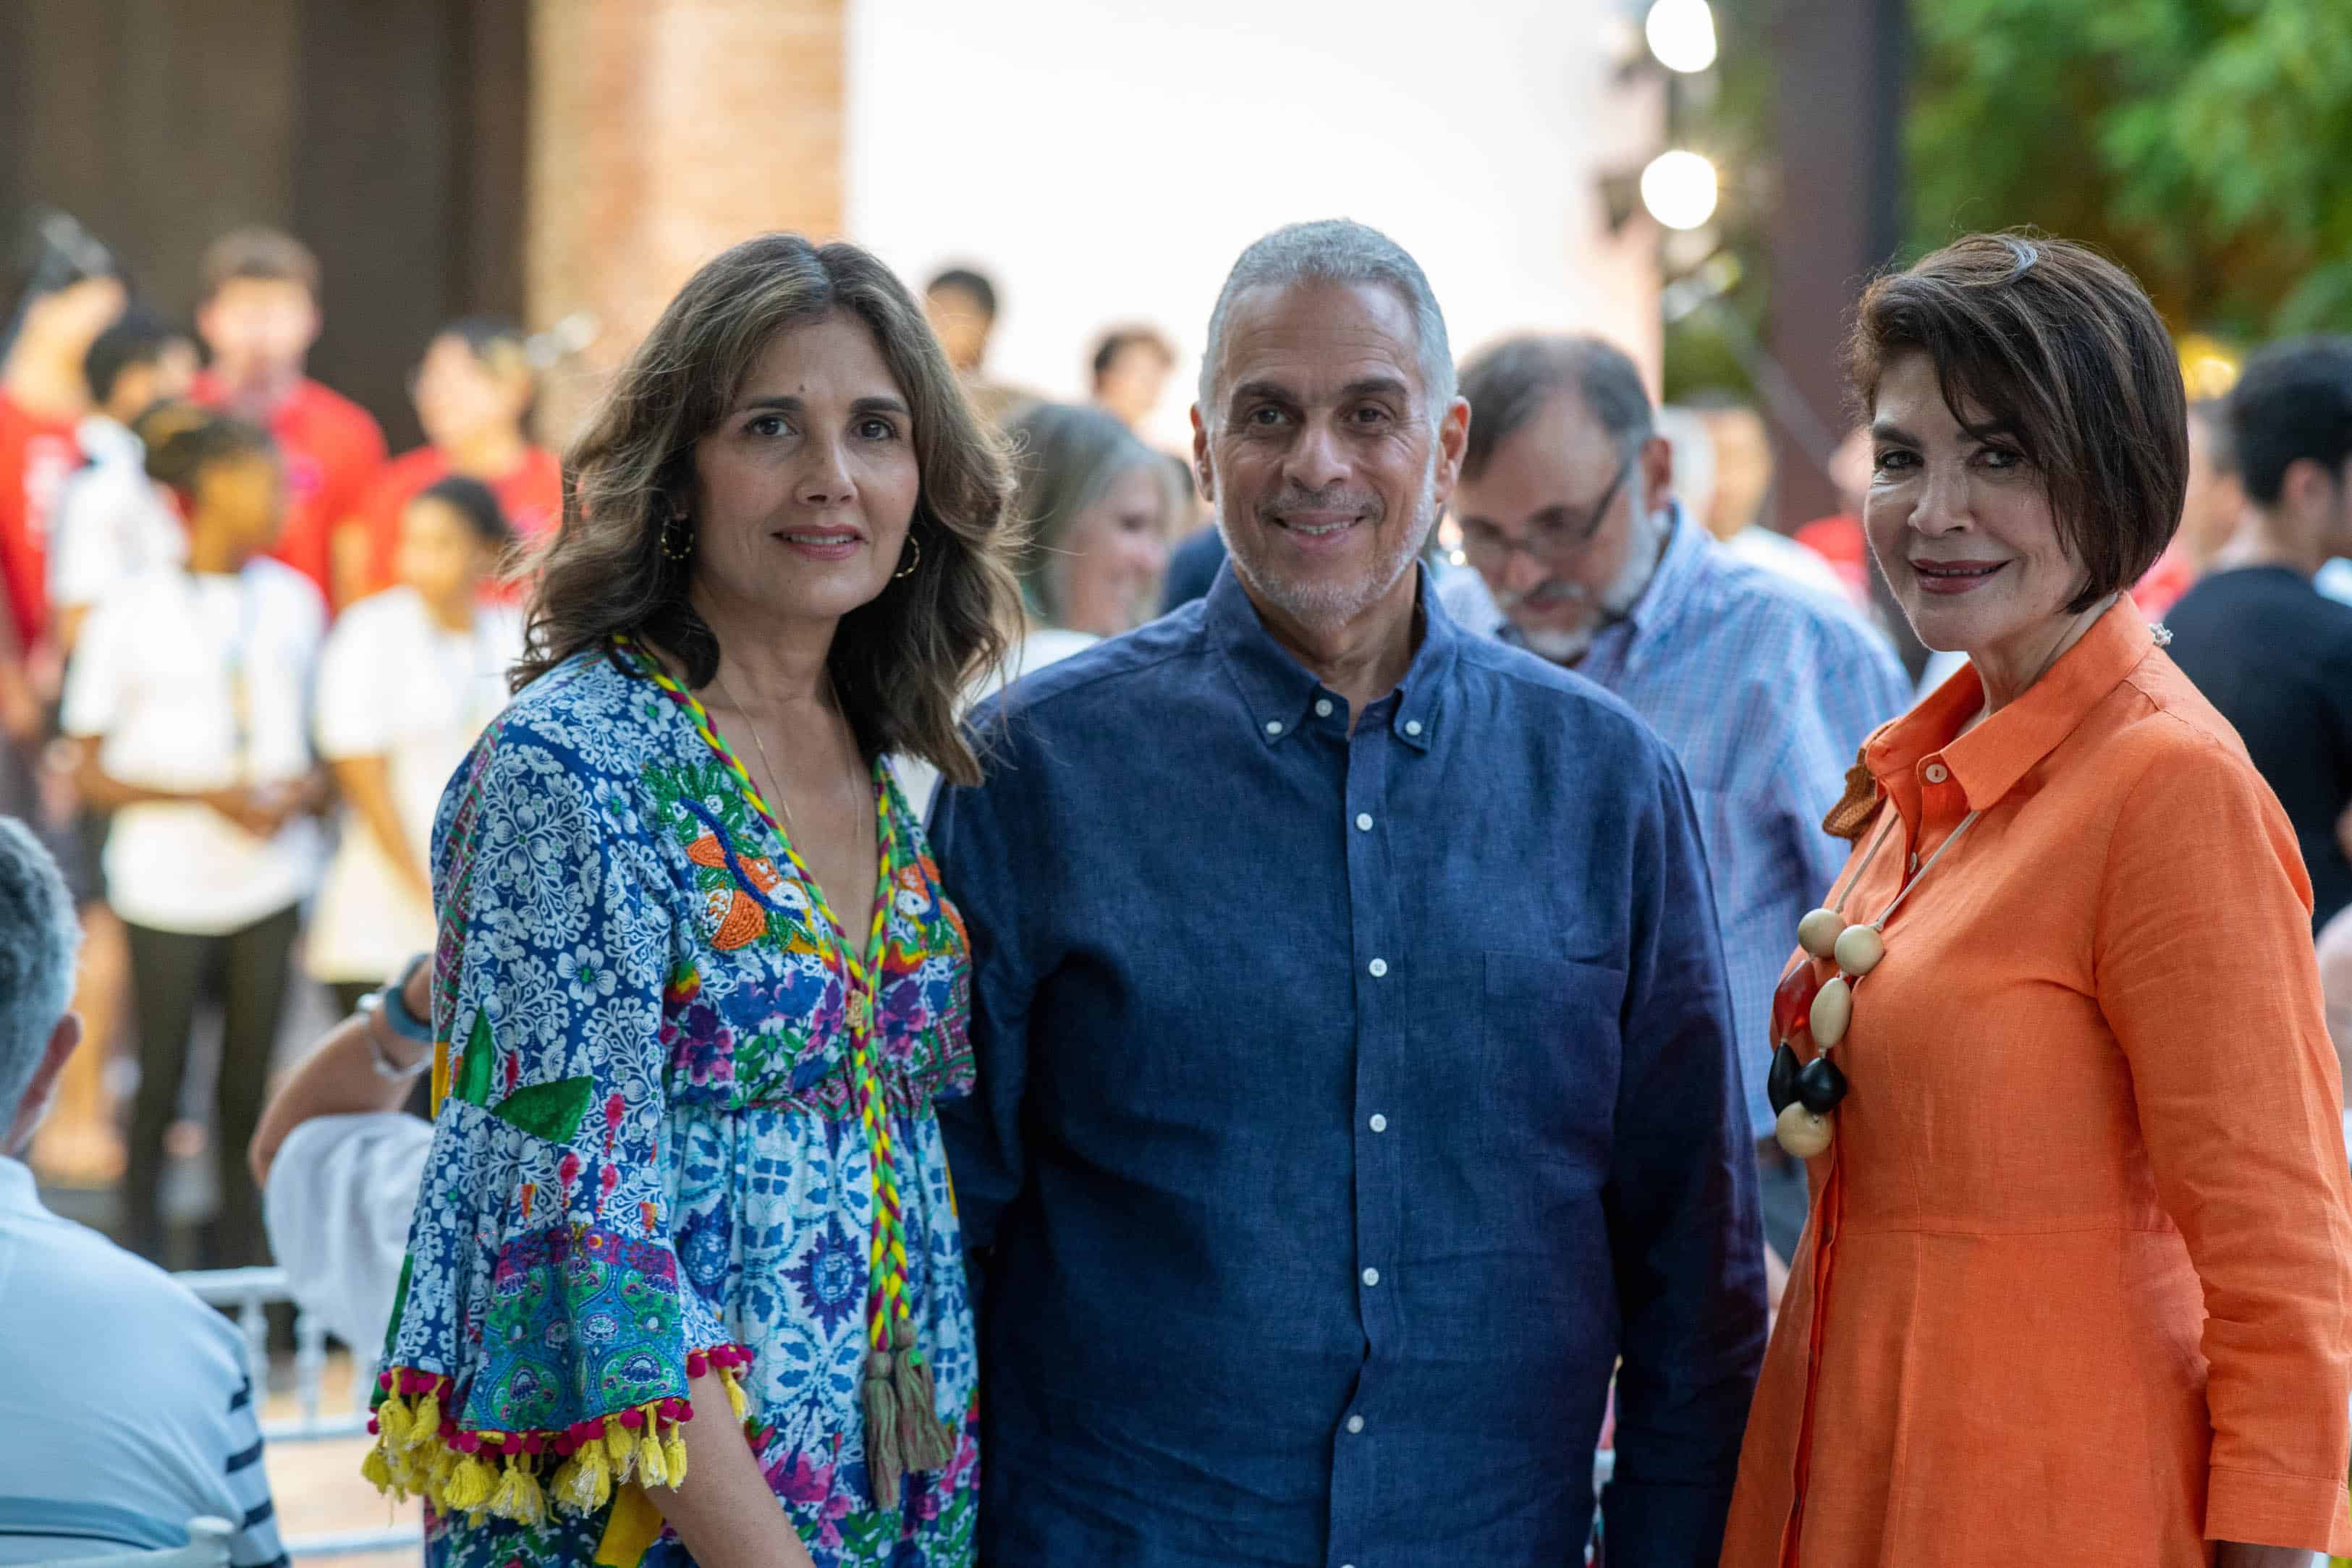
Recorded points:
(2077, 1285)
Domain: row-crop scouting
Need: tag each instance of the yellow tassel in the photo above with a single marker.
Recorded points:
(378, 1475)
(434, 1469)
(621, 1447)
(394, 1420)
(469, 1486)
(584, 1484)
(653, 1464)
(519, 1497)
(674, 1455)
(407, 1474)
(735, 1399)
(425, 1424)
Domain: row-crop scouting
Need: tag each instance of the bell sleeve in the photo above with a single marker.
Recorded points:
(544, 1334)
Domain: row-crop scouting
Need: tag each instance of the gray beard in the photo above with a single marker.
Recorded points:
(1336, 604)
(1613, 604)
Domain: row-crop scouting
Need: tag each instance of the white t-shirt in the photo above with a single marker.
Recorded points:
(111, 522)
(396, 684)
(918, 779)
(194, 682)
(337, 1204)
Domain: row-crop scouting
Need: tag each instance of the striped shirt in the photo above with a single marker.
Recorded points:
(126, 1411)
(1766, 692)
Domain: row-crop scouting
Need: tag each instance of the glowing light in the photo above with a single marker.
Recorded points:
(1679, 189)
(2209, 366)
(1681, 35)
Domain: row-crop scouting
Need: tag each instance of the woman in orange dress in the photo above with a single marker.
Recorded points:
(2077, 1285)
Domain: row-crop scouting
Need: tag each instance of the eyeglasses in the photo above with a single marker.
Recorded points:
(1554, 542)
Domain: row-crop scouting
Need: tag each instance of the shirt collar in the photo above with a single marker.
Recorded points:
(101, 436)
(1678, 571)
(1278, 691)
(1988, 760)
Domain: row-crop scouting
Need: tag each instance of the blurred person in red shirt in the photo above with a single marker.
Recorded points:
(66, 297)
(473, 392)
(258, 318)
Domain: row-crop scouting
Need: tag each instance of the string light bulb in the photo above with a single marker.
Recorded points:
(1679, 189)
(1681, 35)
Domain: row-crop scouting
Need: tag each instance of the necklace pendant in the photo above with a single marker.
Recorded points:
(1859, 949)
(1832, 1010)
(1820, 1086)
(1780, 1081)
(1792, 1003)
(1818, 933)
(1803, 1133)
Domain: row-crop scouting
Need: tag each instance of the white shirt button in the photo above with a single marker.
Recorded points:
(1355, 1423)
(1412, 727)
(1371, 1276)
(1379, 967)
(1379, 1123)
(1322, 707)
(1937, 773)
(1363, 821)
(1274, 727)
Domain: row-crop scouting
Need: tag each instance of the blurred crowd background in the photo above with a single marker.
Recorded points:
(409, 242)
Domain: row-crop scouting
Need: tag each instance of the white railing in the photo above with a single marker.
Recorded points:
(246, 1294)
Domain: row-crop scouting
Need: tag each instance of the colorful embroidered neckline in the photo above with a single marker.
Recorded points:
(903, 1432)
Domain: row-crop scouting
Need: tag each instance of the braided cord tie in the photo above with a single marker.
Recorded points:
(903, 1431)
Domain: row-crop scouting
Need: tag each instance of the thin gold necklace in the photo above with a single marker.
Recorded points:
(775, 780)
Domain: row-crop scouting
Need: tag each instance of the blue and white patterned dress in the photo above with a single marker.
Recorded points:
(648, 1154)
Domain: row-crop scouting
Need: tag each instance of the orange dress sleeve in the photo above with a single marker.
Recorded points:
(2206, 973)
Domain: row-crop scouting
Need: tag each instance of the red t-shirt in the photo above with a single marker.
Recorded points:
(1838, 540)
(334, 451)
(530, 494)
(36, 453)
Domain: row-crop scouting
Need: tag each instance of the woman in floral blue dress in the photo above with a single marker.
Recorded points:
(685, 1247)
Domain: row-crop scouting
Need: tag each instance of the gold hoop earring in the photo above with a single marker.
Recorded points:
(913, 560)
(678, 539)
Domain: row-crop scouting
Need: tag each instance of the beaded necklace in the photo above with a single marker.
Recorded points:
(904, 1434)
(1804, 1098)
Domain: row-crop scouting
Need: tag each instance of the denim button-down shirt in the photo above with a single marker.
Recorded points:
(1348, 1104)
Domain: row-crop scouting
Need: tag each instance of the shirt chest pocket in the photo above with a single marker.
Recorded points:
(1551, 1050)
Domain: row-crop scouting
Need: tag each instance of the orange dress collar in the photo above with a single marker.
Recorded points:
(1987, 762)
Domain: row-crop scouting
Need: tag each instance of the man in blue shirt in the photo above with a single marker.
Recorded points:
(1355, 1075)
(1765, 691)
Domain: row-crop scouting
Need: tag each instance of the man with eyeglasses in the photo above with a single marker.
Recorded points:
(1764, 691)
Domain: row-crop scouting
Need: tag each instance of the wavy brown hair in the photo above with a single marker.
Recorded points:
(900, 661)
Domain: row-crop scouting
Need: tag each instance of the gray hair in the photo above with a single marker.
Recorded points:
(1506, 385)
(1335, 250)
(39, 941)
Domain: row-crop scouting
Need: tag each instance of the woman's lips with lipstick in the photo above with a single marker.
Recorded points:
(1954, 576)
(823, 544)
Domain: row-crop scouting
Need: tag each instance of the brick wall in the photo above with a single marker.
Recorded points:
(662, 132)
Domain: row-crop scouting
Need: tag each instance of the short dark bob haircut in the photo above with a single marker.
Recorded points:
(2055, 347)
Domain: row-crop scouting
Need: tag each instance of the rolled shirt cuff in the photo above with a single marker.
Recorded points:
(2263, 1509)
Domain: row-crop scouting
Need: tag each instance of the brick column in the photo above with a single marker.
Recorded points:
(662, 132)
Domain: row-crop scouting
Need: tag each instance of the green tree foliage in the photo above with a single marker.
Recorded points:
(2205, 143)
